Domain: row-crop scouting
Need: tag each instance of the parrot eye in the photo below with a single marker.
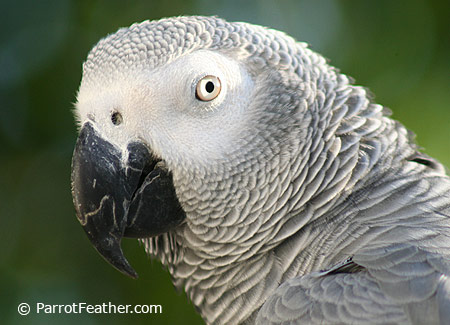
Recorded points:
(116, 118)
(208, 88)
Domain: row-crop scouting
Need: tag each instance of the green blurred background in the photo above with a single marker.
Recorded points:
(400, 50)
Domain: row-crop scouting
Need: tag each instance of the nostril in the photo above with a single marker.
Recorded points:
(116, 118)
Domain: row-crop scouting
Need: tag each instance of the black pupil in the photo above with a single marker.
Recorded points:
(209, 86)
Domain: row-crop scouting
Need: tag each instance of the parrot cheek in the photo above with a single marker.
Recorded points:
(113, 199)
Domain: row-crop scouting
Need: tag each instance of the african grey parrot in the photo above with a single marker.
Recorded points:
(272, 188)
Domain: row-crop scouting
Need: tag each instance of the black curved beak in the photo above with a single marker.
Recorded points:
(120, 194)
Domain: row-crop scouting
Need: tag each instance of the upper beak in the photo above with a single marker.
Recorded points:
(117, 196)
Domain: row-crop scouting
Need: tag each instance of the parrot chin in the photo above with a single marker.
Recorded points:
(117, 196)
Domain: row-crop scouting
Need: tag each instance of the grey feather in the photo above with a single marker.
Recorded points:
(317, 209)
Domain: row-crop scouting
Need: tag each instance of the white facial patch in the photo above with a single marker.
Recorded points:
(160, 107)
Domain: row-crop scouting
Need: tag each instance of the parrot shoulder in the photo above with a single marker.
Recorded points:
(399, 284)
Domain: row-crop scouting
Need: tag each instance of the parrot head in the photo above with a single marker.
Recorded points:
(155, 103)
(181, 122)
